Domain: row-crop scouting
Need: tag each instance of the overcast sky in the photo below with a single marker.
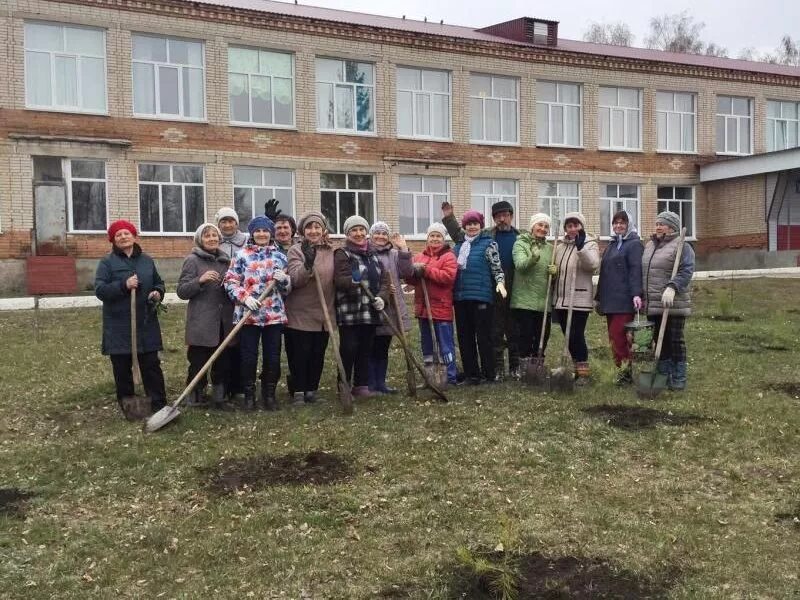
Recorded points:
(734, 24)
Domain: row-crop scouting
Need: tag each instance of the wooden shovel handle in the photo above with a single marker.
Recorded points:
(665, 314)
(436, 355)
(547, 294)
(137, 373)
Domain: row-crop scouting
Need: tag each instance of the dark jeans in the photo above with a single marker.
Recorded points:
(305, 351)
(529, 327)
(474, 322)
(232, 356)
(674, 346)
(269, 338)
(577, 335)
(355, 347)
(152, 377)
(380, 347)
(198, 356)
(505, 333)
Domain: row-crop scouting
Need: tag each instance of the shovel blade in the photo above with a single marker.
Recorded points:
(161, 418)
(651, 384)
(562, 380)
(136, 408)
(536, 375)
(345, 397)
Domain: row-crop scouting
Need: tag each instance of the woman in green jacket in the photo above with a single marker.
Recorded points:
(532, 254)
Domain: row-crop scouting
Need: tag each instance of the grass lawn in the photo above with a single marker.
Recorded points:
(697, 495)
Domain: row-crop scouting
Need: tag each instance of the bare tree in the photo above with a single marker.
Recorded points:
(676, 33)
(614, 34)
(787, 53)
(713, 49)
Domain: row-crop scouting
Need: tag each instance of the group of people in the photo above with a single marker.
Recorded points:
(498, 288)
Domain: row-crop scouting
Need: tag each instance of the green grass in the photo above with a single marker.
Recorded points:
(702, 510)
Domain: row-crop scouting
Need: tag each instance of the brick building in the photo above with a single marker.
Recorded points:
(163, 111)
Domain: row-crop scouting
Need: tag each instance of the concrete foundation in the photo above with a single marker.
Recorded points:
(748, 259)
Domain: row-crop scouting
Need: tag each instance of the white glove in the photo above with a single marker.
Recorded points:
(668, 297)
(279, 275)
(252, 303)
(378, 304)
(501, 289)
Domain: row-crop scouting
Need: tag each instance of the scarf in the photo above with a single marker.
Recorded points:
(463, 252)
(373, 274)
(631, 229)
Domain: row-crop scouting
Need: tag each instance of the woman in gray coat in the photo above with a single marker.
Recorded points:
(209, 316)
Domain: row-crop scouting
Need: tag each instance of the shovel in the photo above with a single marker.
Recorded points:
(652, 383)
(411, 380)
(439, 374)
(171, 412)
(136, 407)
(536, 374)
(562, 378)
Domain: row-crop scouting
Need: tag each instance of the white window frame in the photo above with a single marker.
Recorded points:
(632, 205)
(336, 227)
(546, 201)
(434, 202)
(430, 94)
(503, 101)
(547, 106)
(486, 200)
(157, 65)
(738, 118)
(787, 122)
(255, 211)
(690, 235)
(611, 110)
(160, 184)
(66, 168)
(354, 87)
(52, 54)
(264, 124)
(682, 115)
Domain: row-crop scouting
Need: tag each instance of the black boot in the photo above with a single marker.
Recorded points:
(268, 397)
(249, 390)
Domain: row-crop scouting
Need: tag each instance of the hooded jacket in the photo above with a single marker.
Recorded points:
(248, 275)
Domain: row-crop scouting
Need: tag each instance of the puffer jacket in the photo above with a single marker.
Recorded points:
(581, 264)
(532, 256)
(398, 265)
(209, 305)
(620, 275)
(440, 275)
(657, 262)
(477, 281)
(249, 273)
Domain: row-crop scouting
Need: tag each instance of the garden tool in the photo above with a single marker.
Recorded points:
(344, 395)
(562, 378)
(536, 374)
(411, 380)
(428, 380)
(136, 407)
(437, 371)
(171, 412)
(651, 383)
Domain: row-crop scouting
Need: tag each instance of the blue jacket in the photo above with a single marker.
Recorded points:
(475, 282)
(620, 275)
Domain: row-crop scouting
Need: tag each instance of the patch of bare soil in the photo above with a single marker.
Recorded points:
(13, 501)
(256, 472)
(790, 388)
(792, 517)
(639, 417)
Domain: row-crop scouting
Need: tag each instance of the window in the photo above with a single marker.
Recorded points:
(420, 199)
(65, 67)
(558, 114)
(261, 87)
(680, 200)
(423, 103)
(559, 198)
(486, 192)
(614, 198)
(168, 77)
(734, 124)
(253, 186)
(676, 116)
(540, 32)
(620, 113)
(343, 195)
(345, 96)
(493, 103)
(782, 125)
(86, 189)
(171, 198)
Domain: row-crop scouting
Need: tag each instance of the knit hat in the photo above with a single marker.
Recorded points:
(261, 222)
(198, 234)
(470, 217)
(354, 221)
(438, 228)
(118, 225)
(574, 216)
(290, 220)
(540, 218)
(312, 217)
(670, 219)
(379, 227)
(498, 207)
(226, 212)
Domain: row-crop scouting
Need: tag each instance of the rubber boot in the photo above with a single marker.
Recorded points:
(624, 374)
(268, 401)
(381, 368)
(678, 381)
(249, 402)
(582, 374)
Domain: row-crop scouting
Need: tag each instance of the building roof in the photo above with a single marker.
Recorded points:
(468, 33)
(745, 166)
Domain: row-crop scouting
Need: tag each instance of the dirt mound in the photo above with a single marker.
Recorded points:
(13, 501)
(639, 417)
(297, 468)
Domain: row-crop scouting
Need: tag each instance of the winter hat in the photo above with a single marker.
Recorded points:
(438, 228)
(621, 215)
(226, 212)
(379, 227)
(670, 219)
(540, 218)
(354, 221)
(261, 222)
(498, 207)
(470, 217)
(574, 216)
(198, 234)
(118, 225)
(290, 220)
(312, 217)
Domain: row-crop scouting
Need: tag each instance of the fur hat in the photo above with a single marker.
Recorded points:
(354, 221)
(470, 217)
(226, 212)
(262, 222)
(118, 225)
(438, 228)
(670, 219)
(540, 218)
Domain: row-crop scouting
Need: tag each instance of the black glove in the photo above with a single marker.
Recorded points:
(309, 253)
(271, 209)
(580, 240)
